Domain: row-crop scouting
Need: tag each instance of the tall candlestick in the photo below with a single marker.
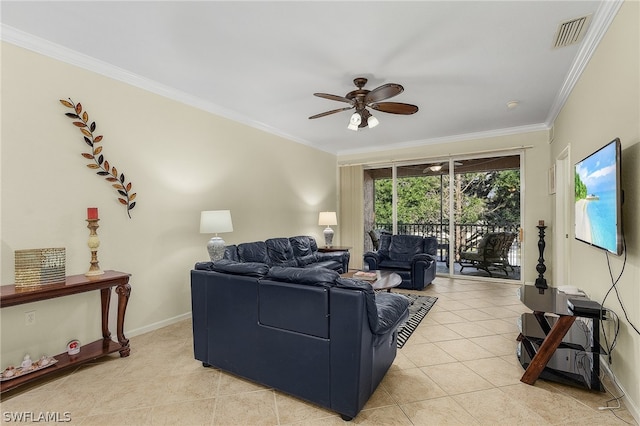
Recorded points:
(93, 244)
(541, 282)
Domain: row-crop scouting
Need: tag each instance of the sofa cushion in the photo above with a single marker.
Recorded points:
(306, 260)
(231, 253)
(250, 269)
(304, 249)
(280, 252)
(431, 246)
(253, 252)
(308, 276)
(404, 247)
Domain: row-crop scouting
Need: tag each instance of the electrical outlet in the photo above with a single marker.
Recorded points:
(30, 318)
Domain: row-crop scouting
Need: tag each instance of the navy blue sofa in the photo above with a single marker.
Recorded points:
(300, 251)
(410, 256)
(305, 332)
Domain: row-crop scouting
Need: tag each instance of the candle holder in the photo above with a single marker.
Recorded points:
(93, 244)
(541, 282)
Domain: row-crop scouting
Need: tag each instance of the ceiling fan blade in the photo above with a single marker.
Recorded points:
(395, 107)
(385, 91)
(334, 97)
(322, 114)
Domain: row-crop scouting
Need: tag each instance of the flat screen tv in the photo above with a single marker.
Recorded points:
(598, 199)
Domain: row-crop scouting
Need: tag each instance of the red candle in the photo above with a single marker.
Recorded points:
(92, 213)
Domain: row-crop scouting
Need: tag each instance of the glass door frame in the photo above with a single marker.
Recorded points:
(451, 161)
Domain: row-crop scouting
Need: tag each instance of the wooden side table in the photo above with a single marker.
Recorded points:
(74, 284)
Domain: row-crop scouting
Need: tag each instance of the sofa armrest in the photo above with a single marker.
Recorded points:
(372, 260)
(424, 258)
(203, 266)
(339, 256)
(385, 311)
(423, 270)
(392, 311)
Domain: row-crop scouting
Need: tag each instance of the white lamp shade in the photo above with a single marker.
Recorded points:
(215, 221)
(372, 122)
(327, 219)
(354, 121)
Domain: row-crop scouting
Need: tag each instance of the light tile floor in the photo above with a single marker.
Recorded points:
(458, 367)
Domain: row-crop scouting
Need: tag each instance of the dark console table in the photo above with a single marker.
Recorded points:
(554, 344)
(74, 284)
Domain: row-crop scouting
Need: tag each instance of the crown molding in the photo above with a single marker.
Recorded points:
(600, 23)
(454, 138)
(55, 51)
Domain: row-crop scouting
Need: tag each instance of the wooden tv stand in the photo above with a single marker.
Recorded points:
(74, 284)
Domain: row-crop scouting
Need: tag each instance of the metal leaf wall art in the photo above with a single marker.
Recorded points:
(99, 163)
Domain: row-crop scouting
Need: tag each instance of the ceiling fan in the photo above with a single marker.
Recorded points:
(441, 166)
(361, 99)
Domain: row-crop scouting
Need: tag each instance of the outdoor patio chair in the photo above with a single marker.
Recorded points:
(492, 253)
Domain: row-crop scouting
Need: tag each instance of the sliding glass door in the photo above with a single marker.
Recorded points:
(486, 212)
(465, 203)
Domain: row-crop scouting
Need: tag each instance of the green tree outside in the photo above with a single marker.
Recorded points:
(480, 198)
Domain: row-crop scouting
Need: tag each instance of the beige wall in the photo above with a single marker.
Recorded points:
(180, 160)
(605, 104)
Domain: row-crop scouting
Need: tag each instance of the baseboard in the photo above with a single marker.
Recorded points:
(633, 409)
(157, 325)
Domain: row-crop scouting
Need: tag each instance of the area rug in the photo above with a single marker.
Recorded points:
(418, 309)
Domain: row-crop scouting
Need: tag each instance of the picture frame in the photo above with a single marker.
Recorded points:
(552, 179)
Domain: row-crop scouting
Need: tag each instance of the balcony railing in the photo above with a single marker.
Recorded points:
(467, 236)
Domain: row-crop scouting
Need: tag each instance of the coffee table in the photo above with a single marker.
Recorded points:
(386, 280)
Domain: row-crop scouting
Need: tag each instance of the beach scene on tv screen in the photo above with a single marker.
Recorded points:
(595, 199)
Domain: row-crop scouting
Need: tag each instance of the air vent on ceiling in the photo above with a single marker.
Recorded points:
(572, 31)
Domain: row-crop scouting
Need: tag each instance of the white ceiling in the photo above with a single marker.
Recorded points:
(260, 62)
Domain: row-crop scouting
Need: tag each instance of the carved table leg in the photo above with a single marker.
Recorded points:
(105, 298)
(123, 291)
(548, 347)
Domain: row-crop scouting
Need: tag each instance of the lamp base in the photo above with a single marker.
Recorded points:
(215, 247)
(328, 236)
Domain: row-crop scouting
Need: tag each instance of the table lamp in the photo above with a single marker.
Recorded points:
(214, 222)
(327, 219)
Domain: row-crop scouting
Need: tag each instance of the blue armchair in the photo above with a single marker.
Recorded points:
(410, 256)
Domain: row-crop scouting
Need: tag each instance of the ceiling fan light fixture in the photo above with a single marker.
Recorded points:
(372, 122)
(354, 121)
(436, 168)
